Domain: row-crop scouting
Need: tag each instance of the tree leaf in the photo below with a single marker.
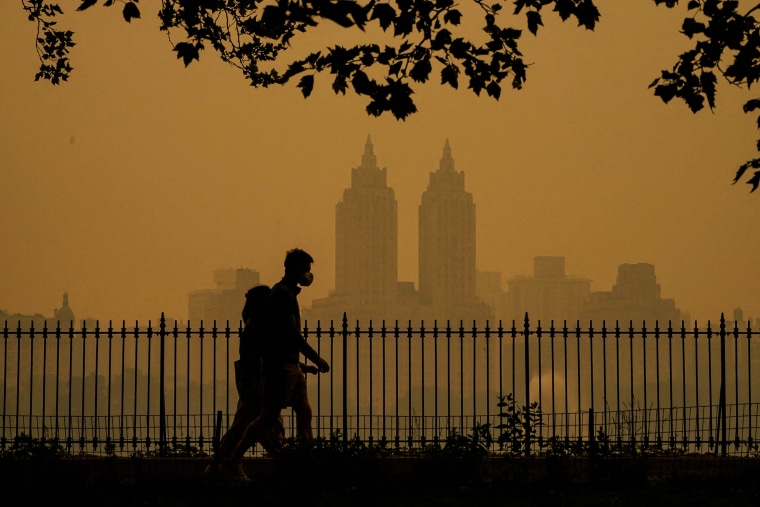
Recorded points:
(751, 105)
(361, 83)
(453, 17)
(86, 4)
(666, 91)
(534, 20)
(494, 90)
(188, 52)
(754, 181)
(421, 70)
(708, 81)
(131, 11)
(564, 8)
(450, 75)
(385, 14)
(690, 27)
(306, 84)
(587, 14)
(340, 84)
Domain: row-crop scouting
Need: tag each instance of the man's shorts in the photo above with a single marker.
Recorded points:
(285, 386)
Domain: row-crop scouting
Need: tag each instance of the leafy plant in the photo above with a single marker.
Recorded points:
(177, 450)
(27, 447)
(518, 425)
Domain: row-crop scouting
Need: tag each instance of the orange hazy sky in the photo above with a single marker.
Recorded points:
(129, 185)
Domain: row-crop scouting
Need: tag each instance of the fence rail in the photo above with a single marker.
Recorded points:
(130, 390)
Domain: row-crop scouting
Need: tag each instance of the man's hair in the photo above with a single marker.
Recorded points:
(296, 258)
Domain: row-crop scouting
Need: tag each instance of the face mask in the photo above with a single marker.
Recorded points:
(306, 279)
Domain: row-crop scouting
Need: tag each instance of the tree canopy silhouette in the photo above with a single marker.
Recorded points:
(425, 40)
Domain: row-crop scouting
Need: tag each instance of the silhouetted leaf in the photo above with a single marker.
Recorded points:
(740, 172)
(404, 23)
(453, 16)
(694, 100)
(187, 52)
(361, 83)
(751, 105)
(359, 14)
(754, 181)
(459, 48)
(421, 70)
(587, 14)
(306, 84)
(708, 82)
(690, 27)
(340, 84)
(384, 13)
(494, 90)
(450, 75)
(86, 4)
(336, 12)
(477, 83)
(131, 11)
(293, 69)
(273, 18)
(564, 8)
(442, 38)
(534, 20)
(400, 102)
(666, 91)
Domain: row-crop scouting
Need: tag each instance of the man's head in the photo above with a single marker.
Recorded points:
(298, 266)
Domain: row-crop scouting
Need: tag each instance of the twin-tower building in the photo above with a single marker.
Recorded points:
(366, 251)
(449, 289)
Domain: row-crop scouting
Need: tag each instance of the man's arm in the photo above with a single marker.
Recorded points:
(288, 303)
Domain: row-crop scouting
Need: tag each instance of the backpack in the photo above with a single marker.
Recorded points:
(255, 313)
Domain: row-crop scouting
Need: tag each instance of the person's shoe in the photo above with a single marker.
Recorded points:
(232, 472)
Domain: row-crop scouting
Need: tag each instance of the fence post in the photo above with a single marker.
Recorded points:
(528, 425)
(722, 410)
(217, 431)
(161, 394)
(345, 379)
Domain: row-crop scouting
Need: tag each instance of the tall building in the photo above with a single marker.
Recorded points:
(225, 302)
(64, 314)
(447, 272)
(489, 290)
(548, 295)
(446, 237)
(366, 252)
(366, 236)
(635, 297)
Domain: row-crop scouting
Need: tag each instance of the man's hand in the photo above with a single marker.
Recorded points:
(308, 368)
(322, 365)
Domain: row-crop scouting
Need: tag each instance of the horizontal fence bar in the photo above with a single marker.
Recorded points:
(514, 388)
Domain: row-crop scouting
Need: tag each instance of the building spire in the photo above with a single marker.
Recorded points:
(447, 163)
(368, 159)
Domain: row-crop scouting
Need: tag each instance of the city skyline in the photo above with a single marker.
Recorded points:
(126, 191)
(371, 179)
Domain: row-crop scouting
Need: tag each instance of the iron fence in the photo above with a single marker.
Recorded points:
(535, 389)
